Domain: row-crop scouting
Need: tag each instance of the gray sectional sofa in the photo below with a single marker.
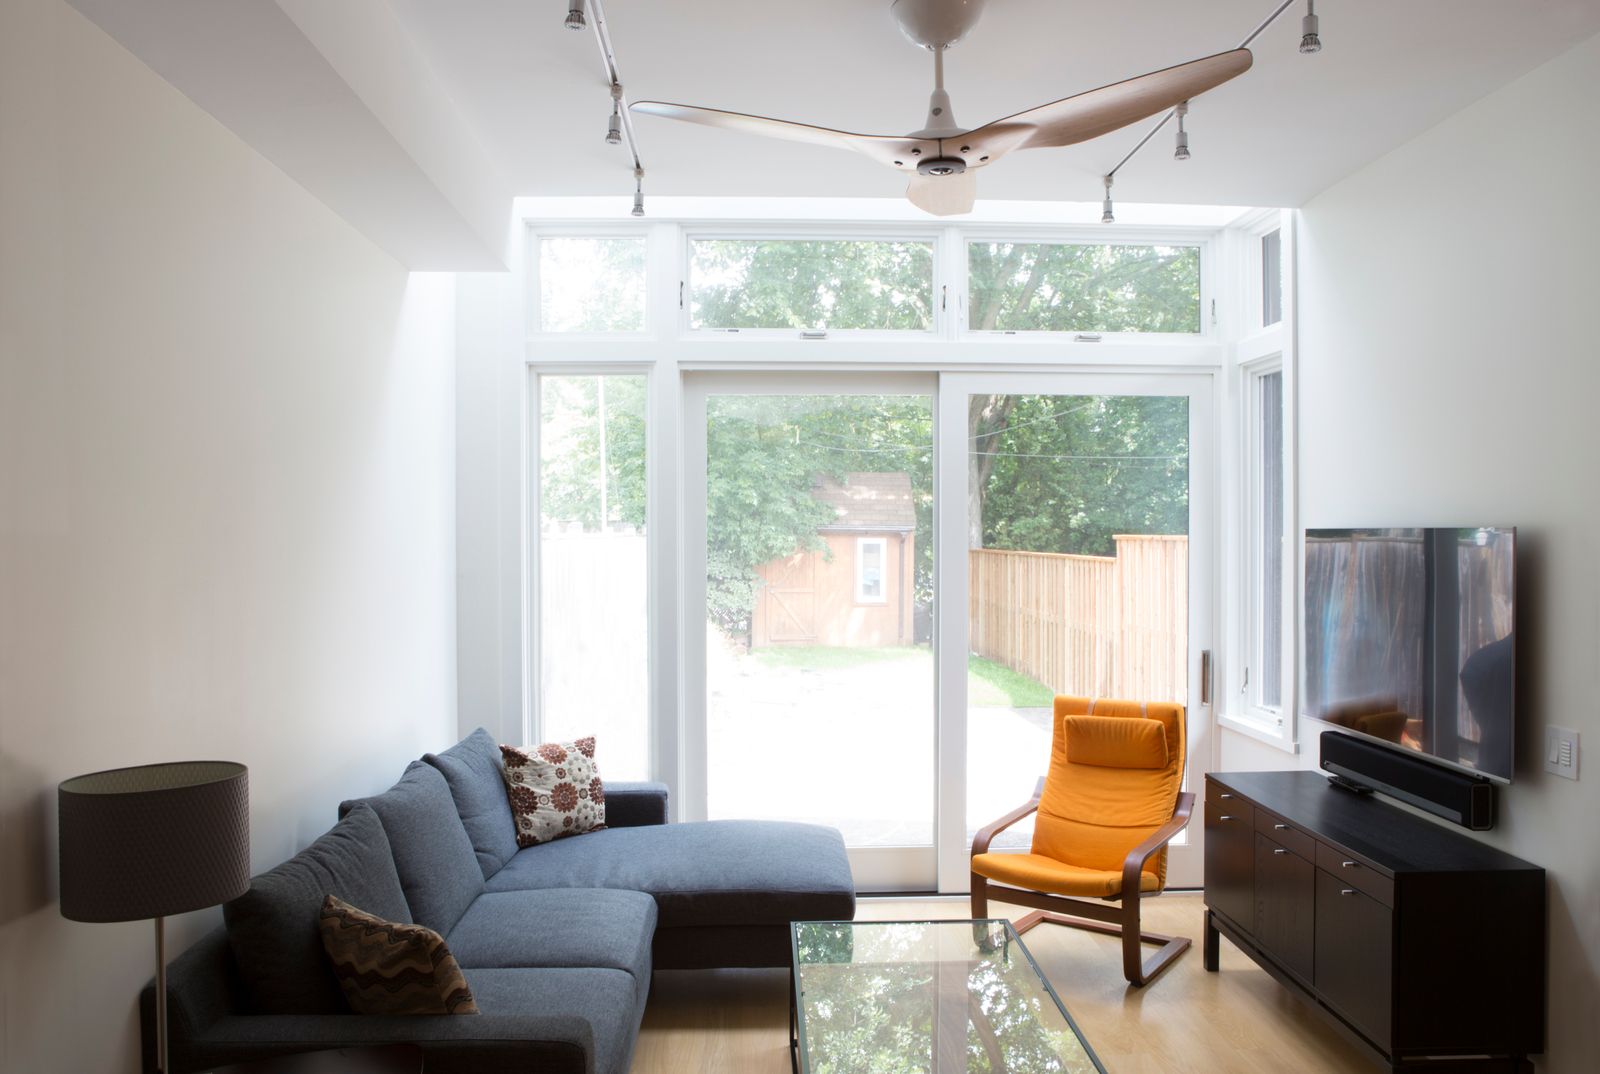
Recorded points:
(557, 941)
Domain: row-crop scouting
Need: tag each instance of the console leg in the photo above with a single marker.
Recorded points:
(1209, 956)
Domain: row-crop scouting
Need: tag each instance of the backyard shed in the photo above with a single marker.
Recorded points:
(858, 589)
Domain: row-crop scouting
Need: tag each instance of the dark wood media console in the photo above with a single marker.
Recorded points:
(1424, 944)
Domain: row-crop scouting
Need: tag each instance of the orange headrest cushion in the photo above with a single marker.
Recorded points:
(1116, 742)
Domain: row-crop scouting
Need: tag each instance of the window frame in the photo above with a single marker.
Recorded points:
(1259, 351)
(1253, 655)
(882, 544)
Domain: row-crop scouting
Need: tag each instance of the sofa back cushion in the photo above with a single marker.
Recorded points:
(432, 854)
(273, 927)
(477, 782)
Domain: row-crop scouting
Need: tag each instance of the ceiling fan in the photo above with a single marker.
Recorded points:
(943, 157)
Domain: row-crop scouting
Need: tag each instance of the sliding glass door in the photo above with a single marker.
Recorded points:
(888, 578)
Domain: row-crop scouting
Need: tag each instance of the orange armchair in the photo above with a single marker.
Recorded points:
(1111, 802)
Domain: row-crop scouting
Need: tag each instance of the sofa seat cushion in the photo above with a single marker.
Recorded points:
(572, 927)
(603, 1000)
(432, 854)
(478, 784)
(717, 872)
(273, 927)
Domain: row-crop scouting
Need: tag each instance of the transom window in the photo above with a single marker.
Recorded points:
(1077, 287)
(810, 284)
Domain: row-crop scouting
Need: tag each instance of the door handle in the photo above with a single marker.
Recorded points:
(1205, 676)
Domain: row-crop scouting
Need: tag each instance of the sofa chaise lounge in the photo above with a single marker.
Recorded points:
(557, 941)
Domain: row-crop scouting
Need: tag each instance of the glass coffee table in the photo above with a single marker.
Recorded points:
(926, 997)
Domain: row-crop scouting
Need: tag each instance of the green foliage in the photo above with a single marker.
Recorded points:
(991, 685)
(791, 283)
(1057, 287)
(1069, 472)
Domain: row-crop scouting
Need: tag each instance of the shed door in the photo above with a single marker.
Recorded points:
(792, 598)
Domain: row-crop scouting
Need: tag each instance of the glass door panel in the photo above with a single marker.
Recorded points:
(1085, 497)
(818, 590)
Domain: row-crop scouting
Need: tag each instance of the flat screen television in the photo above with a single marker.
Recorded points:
(1410, 641)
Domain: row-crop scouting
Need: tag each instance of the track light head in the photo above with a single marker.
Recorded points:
(1310, 39)
(575, 18)
(614, 130)
(1106, 215)
(1182, 150)
(638, 191)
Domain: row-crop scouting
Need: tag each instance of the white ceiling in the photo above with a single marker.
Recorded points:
(534, 95)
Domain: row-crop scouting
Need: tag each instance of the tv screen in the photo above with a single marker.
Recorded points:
(1409, 640)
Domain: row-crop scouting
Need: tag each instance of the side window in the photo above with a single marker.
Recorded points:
(1271, 278)
(1263, 679)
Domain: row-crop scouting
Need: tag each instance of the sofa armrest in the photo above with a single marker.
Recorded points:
(634, 805)
(451, 1044)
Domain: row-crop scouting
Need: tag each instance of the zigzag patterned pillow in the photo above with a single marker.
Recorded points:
(388, 968)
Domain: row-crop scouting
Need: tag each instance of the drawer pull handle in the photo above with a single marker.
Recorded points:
(1351, 864)
(1282, 828)
(1224, 816)
(1347, 891)
(1225, 797)
(1277, 850)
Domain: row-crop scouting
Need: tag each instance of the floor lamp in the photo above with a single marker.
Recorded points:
(152, 841)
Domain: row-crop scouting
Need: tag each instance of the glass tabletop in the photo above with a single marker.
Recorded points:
(928, 997)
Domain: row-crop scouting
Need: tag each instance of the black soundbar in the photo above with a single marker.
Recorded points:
(1458, 797)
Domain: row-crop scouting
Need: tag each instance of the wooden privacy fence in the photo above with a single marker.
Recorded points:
(1104, 626)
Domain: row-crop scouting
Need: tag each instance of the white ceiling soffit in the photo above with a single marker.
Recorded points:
(339, 97)
(1275, 137)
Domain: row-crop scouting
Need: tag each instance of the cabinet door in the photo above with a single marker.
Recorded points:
(1285, 906)
(1354, 956)
(1231, 861)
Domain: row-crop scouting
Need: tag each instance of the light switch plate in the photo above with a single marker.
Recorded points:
(1561, 751)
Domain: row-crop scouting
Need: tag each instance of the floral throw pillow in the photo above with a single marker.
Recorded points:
(555, 790)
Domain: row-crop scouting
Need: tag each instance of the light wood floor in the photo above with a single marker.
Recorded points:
(1238, 1021)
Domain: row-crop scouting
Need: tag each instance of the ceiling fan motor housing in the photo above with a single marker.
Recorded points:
(936, 24)
(941, 166)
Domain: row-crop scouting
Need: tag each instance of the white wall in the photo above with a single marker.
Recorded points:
(1449, 374)
(226, 498)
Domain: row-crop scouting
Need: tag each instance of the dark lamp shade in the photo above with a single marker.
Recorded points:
(152, 841)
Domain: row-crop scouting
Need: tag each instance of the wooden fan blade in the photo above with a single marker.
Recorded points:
(944, 195)
(1101, 111)
(895, 152)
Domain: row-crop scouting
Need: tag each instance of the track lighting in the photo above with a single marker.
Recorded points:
(1182, 152)
(1106, 215)
(1310, 40)
(575, 19)
(638, 192)
(614, 132)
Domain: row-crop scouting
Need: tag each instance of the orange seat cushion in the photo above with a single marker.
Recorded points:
(1102, 802)
(1038, 873)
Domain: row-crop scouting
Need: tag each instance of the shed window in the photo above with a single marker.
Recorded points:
(870, 555)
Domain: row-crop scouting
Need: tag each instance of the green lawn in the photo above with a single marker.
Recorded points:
(989, 685)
